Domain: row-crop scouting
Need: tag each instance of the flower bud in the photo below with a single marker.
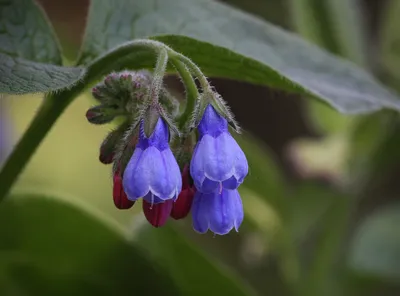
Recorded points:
(182, 206)
(109, 144)
(157, 214)
(125, 89)
(101, 114)
(121, 200)
(125, 149)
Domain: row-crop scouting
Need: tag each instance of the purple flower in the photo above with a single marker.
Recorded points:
(218, 211)
(217, 159)
(152, 171)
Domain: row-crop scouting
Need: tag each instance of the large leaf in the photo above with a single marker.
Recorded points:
(50, 247)
(333, 24)
(26, 33)
(20, 76)
(195, 273)
(376, 246)
(27, 41)
(236, 45)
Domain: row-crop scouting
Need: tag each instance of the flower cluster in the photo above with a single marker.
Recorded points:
(199, 173)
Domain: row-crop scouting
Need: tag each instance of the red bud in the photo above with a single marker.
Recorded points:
(183, 204)
(121, 200)
(157, 214)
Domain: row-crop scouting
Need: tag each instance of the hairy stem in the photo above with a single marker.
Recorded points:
(191, 91)
(205, 85)
(158, 75)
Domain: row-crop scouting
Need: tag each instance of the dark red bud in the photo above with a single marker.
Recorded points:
(183, 204)
(157, 214)
(101, 114)
(186, 179)
(106, 157)
(121, 200)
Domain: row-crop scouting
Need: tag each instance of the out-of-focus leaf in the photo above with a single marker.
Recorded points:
(265, 177)
(49, 247)
(308, 205)
(193, 271)
(331, 230)
(375, 249)
(332, 24)
(326, 120)
(335, 25)
(390, 48)
(363, 284)
(235, 45)
(375, 140)
(269, 10)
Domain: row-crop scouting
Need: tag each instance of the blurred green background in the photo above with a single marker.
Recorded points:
(321, 202)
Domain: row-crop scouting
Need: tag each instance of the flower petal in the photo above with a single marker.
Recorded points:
(212, 123)
(160, 136)
(173, 176)
(132, 187)
(222, 212)
(220, 157)
(152, 199)
(160, 182)
(241, 167)
(197, 166)
(209, 186)
(231, 183)
(239, 214)
(200, 212)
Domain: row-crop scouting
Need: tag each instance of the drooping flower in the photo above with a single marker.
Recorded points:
(182, 206)
(217, 159)
(219, 211)
(152, 172)
(121, 200)
(157, 214)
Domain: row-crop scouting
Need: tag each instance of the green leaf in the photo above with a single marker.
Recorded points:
(333, 24)
(49, 247)
(235, 45)
(29, 53)
(375, 249)
(26, 33)
(20, 76)
(194, 272)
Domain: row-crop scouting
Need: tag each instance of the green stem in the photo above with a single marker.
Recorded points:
(191, 91)
(205, 85)
(51, 108)
(158, 74)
